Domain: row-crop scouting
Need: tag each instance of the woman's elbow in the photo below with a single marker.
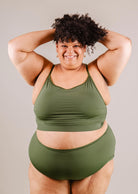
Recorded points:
(127, 43)
(126, 48)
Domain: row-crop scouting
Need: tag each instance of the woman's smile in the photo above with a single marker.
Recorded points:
(70, 57)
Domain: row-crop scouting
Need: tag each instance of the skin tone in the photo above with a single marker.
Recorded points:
(110, 64)
(70, 55)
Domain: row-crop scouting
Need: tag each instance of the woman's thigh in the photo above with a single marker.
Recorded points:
(96, 183)
(41, 184)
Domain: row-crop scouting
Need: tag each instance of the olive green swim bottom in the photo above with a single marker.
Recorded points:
(72, 164)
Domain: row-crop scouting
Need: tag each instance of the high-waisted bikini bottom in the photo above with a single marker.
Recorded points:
(72, 164)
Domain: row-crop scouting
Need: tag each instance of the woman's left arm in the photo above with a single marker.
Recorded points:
(113, 61)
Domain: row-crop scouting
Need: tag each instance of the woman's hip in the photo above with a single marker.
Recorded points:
(72, 164)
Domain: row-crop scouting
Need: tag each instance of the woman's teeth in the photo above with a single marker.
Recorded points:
(70, 56)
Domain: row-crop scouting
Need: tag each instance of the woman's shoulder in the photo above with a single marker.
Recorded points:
(99, 80)
(95, 72)
(41, 80)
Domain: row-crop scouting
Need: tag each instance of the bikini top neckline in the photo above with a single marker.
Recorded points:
(69, 89)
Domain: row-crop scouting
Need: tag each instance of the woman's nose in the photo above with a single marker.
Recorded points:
(70, 50)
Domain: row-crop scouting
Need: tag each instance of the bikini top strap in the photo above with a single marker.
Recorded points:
(51, 69)
(87, 69)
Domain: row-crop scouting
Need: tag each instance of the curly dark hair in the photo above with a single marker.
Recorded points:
(78, 27)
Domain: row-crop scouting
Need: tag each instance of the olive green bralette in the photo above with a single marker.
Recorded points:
(80, 108)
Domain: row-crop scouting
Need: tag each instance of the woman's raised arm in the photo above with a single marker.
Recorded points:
(113, 61)
(28, 62)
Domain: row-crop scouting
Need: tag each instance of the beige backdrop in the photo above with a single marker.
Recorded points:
(17, 121)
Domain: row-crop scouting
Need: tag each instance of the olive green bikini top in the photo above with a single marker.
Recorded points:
(80, 108)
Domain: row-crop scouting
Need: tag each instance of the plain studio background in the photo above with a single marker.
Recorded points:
(17, 120)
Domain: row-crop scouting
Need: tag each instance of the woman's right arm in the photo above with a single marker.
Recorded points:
(26, 60)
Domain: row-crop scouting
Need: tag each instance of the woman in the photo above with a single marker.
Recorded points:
(73, 148)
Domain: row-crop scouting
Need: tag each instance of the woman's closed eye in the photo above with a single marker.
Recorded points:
(64, 46)
(76, 45)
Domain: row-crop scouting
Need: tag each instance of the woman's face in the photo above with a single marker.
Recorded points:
(70, 53)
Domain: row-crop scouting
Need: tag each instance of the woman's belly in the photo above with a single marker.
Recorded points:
(69, 140)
